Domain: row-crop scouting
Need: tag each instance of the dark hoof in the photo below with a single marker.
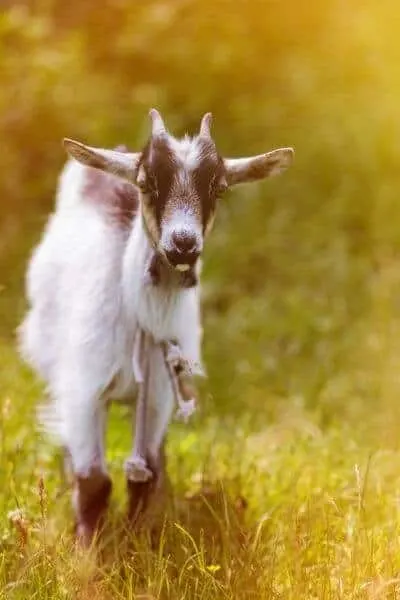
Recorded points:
(91, 497)
(140, 494)
(143, 495)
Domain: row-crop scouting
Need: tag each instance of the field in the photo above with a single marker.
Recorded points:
(284, 488)
(286, 484)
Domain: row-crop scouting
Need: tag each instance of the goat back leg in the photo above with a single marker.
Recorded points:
(91, 497)
(84, 426)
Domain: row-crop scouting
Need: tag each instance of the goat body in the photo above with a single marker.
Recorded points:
(87, 287)
(119, 216)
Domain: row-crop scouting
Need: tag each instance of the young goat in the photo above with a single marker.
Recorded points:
(113, 292)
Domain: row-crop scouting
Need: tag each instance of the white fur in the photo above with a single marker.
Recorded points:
(183, 221)
(187, 151)
(87, 295)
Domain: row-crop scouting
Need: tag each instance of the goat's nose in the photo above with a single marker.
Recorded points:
(184, 248)
(184, 242)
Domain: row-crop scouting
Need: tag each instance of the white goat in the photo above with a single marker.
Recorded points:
(121, 255)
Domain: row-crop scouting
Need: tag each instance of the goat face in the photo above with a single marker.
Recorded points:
(180, 182)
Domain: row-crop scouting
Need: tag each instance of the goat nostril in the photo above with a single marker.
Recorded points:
(184, 242)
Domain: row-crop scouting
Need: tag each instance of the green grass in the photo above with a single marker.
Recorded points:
(286, 510)
(274, 495)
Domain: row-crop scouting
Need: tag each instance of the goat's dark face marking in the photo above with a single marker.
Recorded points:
(180, 181)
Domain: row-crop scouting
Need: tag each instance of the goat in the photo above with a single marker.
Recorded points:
(120, 257)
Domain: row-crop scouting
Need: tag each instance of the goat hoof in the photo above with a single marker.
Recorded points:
(91, 497)
(136, 470)
(84, 534)
(142, 495)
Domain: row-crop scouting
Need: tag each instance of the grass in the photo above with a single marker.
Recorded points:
(286, 483)
(288, 510)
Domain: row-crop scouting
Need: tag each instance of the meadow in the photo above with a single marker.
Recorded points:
(286, 484)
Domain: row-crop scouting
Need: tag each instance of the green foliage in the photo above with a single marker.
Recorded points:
(300, 288)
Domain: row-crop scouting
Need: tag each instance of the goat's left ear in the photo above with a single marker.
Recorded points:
(123, 164)
(242, 170)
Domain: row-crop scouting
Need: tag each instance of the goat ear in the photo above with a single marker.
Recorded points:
(241, 170)
(123, 164)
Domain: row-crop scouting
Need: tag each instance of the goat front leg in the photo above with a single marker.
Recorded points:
(84, 421)
(178, 369)
(159, 408)
(136, 468)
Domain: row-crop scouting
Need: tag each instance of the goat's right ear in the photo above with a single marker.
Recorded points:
(123, 164)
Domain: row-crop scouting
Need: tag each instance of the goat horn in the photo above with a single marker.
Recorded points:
(158, 127)
(206, 125)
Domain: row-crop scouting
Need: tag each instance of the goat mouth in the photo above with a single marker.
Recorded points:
(182, 262)
(182, 267)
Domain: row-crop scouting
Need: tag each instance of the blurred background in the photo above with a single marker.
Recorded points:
(301, 280)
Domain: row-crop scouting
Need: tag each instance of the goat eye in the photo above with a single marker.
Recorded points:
(143, 186)
(143, 181)
(146, 186)
(221, 188)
